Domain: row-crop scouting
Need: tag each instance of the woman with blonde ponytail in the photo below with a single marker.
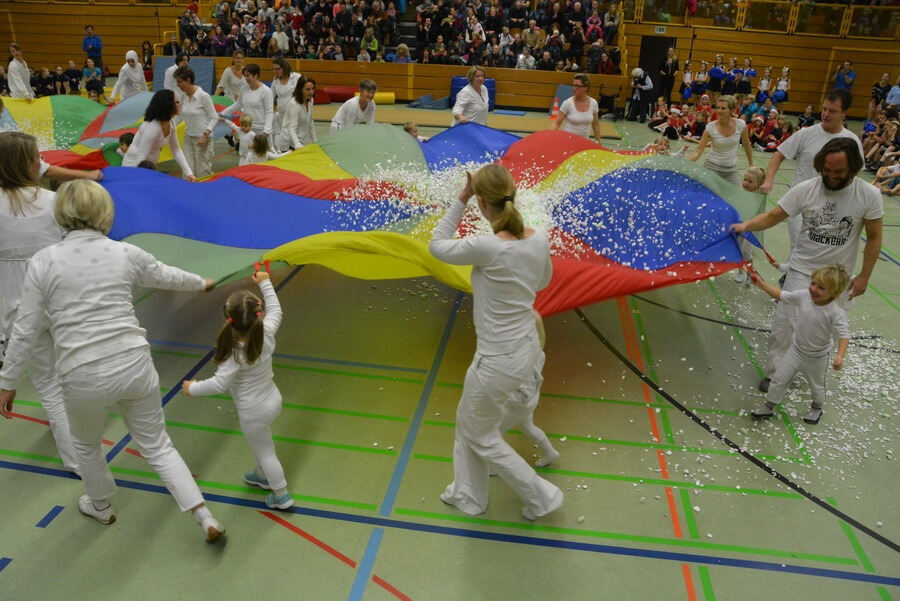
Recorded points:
(503, 382)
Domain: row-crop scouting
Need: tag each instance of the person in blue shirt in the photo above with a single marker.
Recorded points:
(893, 96)
(844, 77)
(93, 47)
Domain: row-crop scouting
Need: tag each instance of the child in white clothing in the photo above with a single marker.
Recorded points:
(819, 321)
(244, 351)
(753, 179)
(260, 152)
(245, 136)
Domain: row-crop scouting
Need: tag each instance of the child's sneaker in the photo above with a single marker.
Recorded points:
(279, 502)
(813, 415)
(212, 529)
(104, 516)
(254, 479)
(764, 411)
(741, 277)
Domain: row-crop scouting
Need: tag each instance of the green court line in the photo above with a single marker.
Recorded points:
(631, 443)
(639, 480)
(648, 357)
(854, 542)
(884, 297)
(36, 457)
(706, 583)
(186, 354)
(656, 540)
(689, 513)
(883, 593)
(748, 350)
(145, 297)
(350, 374)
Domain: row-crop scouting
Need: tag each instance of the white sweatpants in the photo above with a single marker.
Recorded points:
(43, 376)
(812, 368)
(497, 394)
(128, 382)
(256, 425)
(199, 158)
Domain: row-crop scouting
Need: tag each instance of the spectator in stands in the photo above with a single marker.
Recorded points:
(172, 47)
(546, 62)
(60, 81)
(369, 41)
(131, 78)
(880, 91)
(668, 67)
(42, 83)
(807, 118)
(18, 78)
(594, 26)
(202, 44)
(147, 55)
(641, 86)
(517, 16)
(402, 56)
(525, 60)
(186, 26)
(218, 42)
(93, 47)
(93, 78)
(611, 21)
(73, 74)
(844, 77)
(532, 36)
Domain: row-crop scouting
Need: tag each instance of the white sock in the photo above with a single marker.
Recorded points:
(279, 492)
(201, 513)
(548, 453)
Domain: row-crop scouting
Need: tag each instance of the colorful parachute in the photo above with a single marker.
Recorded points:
(364, 202)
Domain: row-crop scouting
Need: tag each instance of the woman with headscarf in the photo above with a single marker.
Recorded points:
(131, 78)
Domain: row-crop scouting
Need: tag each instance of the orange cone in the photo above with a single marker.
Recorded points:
(555, 112)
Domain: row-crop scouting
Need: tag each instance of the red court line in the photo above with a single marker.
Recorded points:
(634, 352)
(38, 420)
(334, 552)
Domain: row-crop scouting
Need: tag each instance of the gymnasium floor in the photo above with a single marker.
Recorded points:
(656, 508)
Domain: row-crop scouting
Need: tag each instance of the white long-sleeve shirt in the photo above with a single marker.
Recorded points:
(81, 288)
(21, 236)
(245, 138)
(169, 78)
(131, 80)
(231, 84)
(147, 143)
(298, 127)
(198, 112)
(283, 92)
(258, 104)
(472, 105)
(248, 383)
(350, 114)
(18, 80)
(506, 276)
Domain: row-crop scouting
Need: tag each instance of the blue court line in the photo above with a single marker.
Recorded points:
(45, 521)
(364, 569)
(382, 522)
(381, 366)
(119, 446)
(4, 561)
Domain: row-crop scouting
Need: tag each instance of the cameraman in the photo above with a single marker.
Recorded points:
(844, 77)
(641, 85)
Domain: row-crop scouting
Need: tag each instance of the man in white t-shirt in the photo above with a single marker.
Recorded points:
(806, 142)
(833, 209)
(169, 80)
(360, 109)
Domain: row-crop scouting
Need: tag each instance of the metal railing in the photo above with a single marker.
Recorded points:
(778, 16)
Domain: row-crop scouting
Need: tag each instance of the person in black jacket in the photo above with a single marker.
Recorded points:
(667, 69)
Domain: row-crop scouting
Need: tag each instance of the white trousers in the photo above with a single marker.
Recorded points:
(498, 393)
(782, 334)
(199, 158)
(127, 382)
(43, 377)
(256, 424)
(812, 368)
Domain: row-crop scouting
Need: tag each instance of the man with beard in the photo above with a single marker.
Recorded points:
(833, 209)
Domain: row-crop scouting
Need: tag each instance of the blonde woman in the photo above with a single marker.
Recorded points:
(402, 56)
(472, 102)
(232, 78)
(502, 384)
(102, 356)
(723, 137)
(579, 114)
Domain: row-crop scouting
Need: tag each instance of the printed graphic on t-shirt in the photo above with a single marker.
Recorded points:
(826, 227)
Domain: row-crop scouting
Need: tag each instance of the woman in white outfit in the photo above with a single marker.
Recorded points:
(256, 100)
(283, 84)
(17, 77)
(723, 136)
(156, 131)
(299, 129)
(472, 102)
(131, 79)
(200, 118)
(26, 226)
(501, 384)
(232, 78)
(579, 114)
(81, 289)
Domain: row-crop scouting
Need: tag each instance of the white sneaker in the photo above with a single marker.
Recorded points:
(741, 276)
(212, 529)
(104, 516)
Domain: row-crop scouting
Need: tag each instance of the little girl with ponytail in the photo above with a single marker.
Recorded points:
(244, 351)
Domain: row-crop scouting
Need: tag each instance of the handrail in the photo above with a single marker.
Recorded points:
(852, 16)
